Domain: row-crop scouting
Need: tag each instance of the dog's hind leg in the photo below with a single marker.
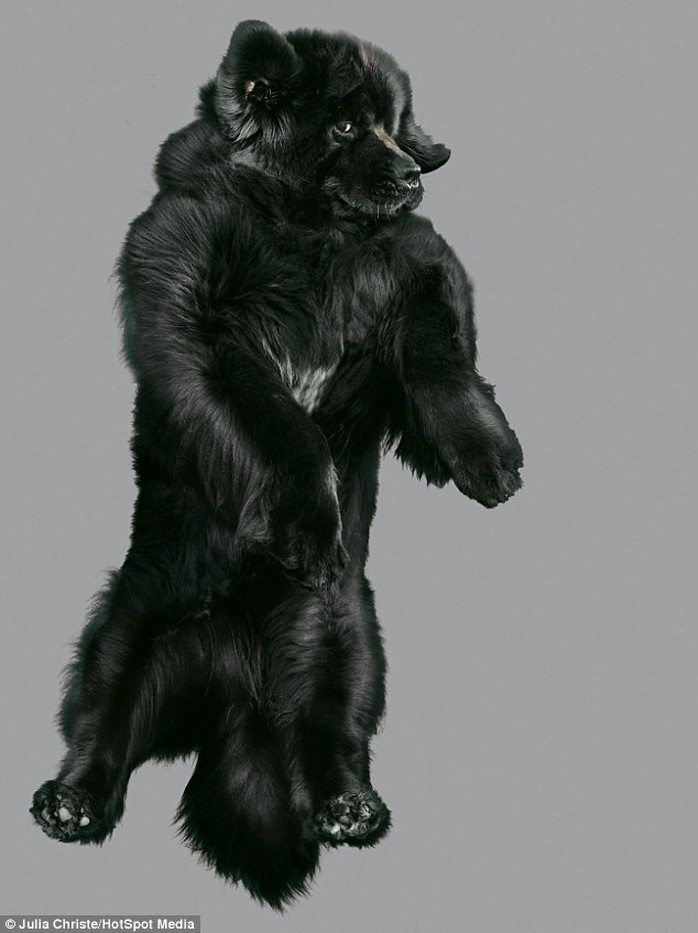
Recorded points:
(327, 687)
(123, 685)
(354, 814)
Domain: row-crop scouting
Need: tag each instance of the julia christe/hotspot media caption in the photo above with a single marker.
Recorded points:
(132, 924)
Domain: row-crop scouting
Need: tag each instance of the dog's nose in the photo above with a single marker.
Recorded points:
(408, 172)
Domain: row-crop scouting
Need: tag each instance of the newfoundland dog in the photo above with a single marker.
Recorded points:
(287, 316)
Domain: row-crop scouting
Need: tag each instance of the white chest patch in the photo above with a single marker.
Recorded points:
(307, 385)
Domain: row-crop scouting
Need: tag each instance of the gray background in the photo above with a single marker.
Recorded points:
(538, 752)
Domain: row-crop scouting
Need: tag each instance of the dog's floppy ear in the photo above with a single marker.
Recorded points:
(414, 141)
(256, 79)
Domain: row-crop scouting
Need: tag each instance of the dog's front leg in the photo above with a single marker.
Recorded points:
(445, 420)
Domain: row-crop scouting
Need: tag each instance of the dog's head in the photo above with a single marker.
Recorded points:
(328, 109)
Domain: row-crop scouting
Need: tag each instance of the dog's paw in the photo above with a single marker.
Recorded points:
(359, 819)
(489, 483)
(312, 565)
(308, 536)
(484, 455)
(68, 814)
(319, 567)
(489, 471)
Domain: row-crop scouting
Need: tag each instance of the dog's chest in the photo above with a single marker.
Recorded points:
(350, 289)
(309, 386)
(307, 382)
(307, 363)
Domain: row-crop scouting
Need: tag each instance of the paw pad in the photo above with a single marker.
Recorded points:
(356, 819)
(65, 813)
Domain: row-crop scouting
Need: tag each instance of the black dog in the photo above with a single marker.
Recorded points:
(286, 315)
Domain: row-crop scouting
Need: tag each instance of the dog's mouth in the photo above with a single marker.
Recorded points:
(383, 200)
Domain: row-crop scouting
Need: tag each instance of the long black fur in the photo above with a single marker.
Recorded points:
(286, 316)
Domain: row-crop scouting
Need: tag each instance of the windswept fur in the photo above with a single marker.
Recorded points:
(286, 316)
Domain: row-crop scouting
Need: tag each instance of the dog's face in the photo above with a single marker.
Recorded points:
(328, 109)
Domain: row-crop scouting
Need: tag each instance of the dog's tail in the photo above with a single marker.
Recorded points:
(236, 813)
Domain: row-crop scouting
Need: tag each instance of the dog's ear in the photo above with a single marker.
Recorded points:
(415, 142)
(256, 79)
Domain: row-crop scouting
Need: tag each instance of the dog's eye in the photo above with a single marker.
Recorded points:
(343, 129)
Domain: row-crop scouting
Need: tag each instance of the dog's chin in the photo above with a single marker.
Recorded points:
(381, 207)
